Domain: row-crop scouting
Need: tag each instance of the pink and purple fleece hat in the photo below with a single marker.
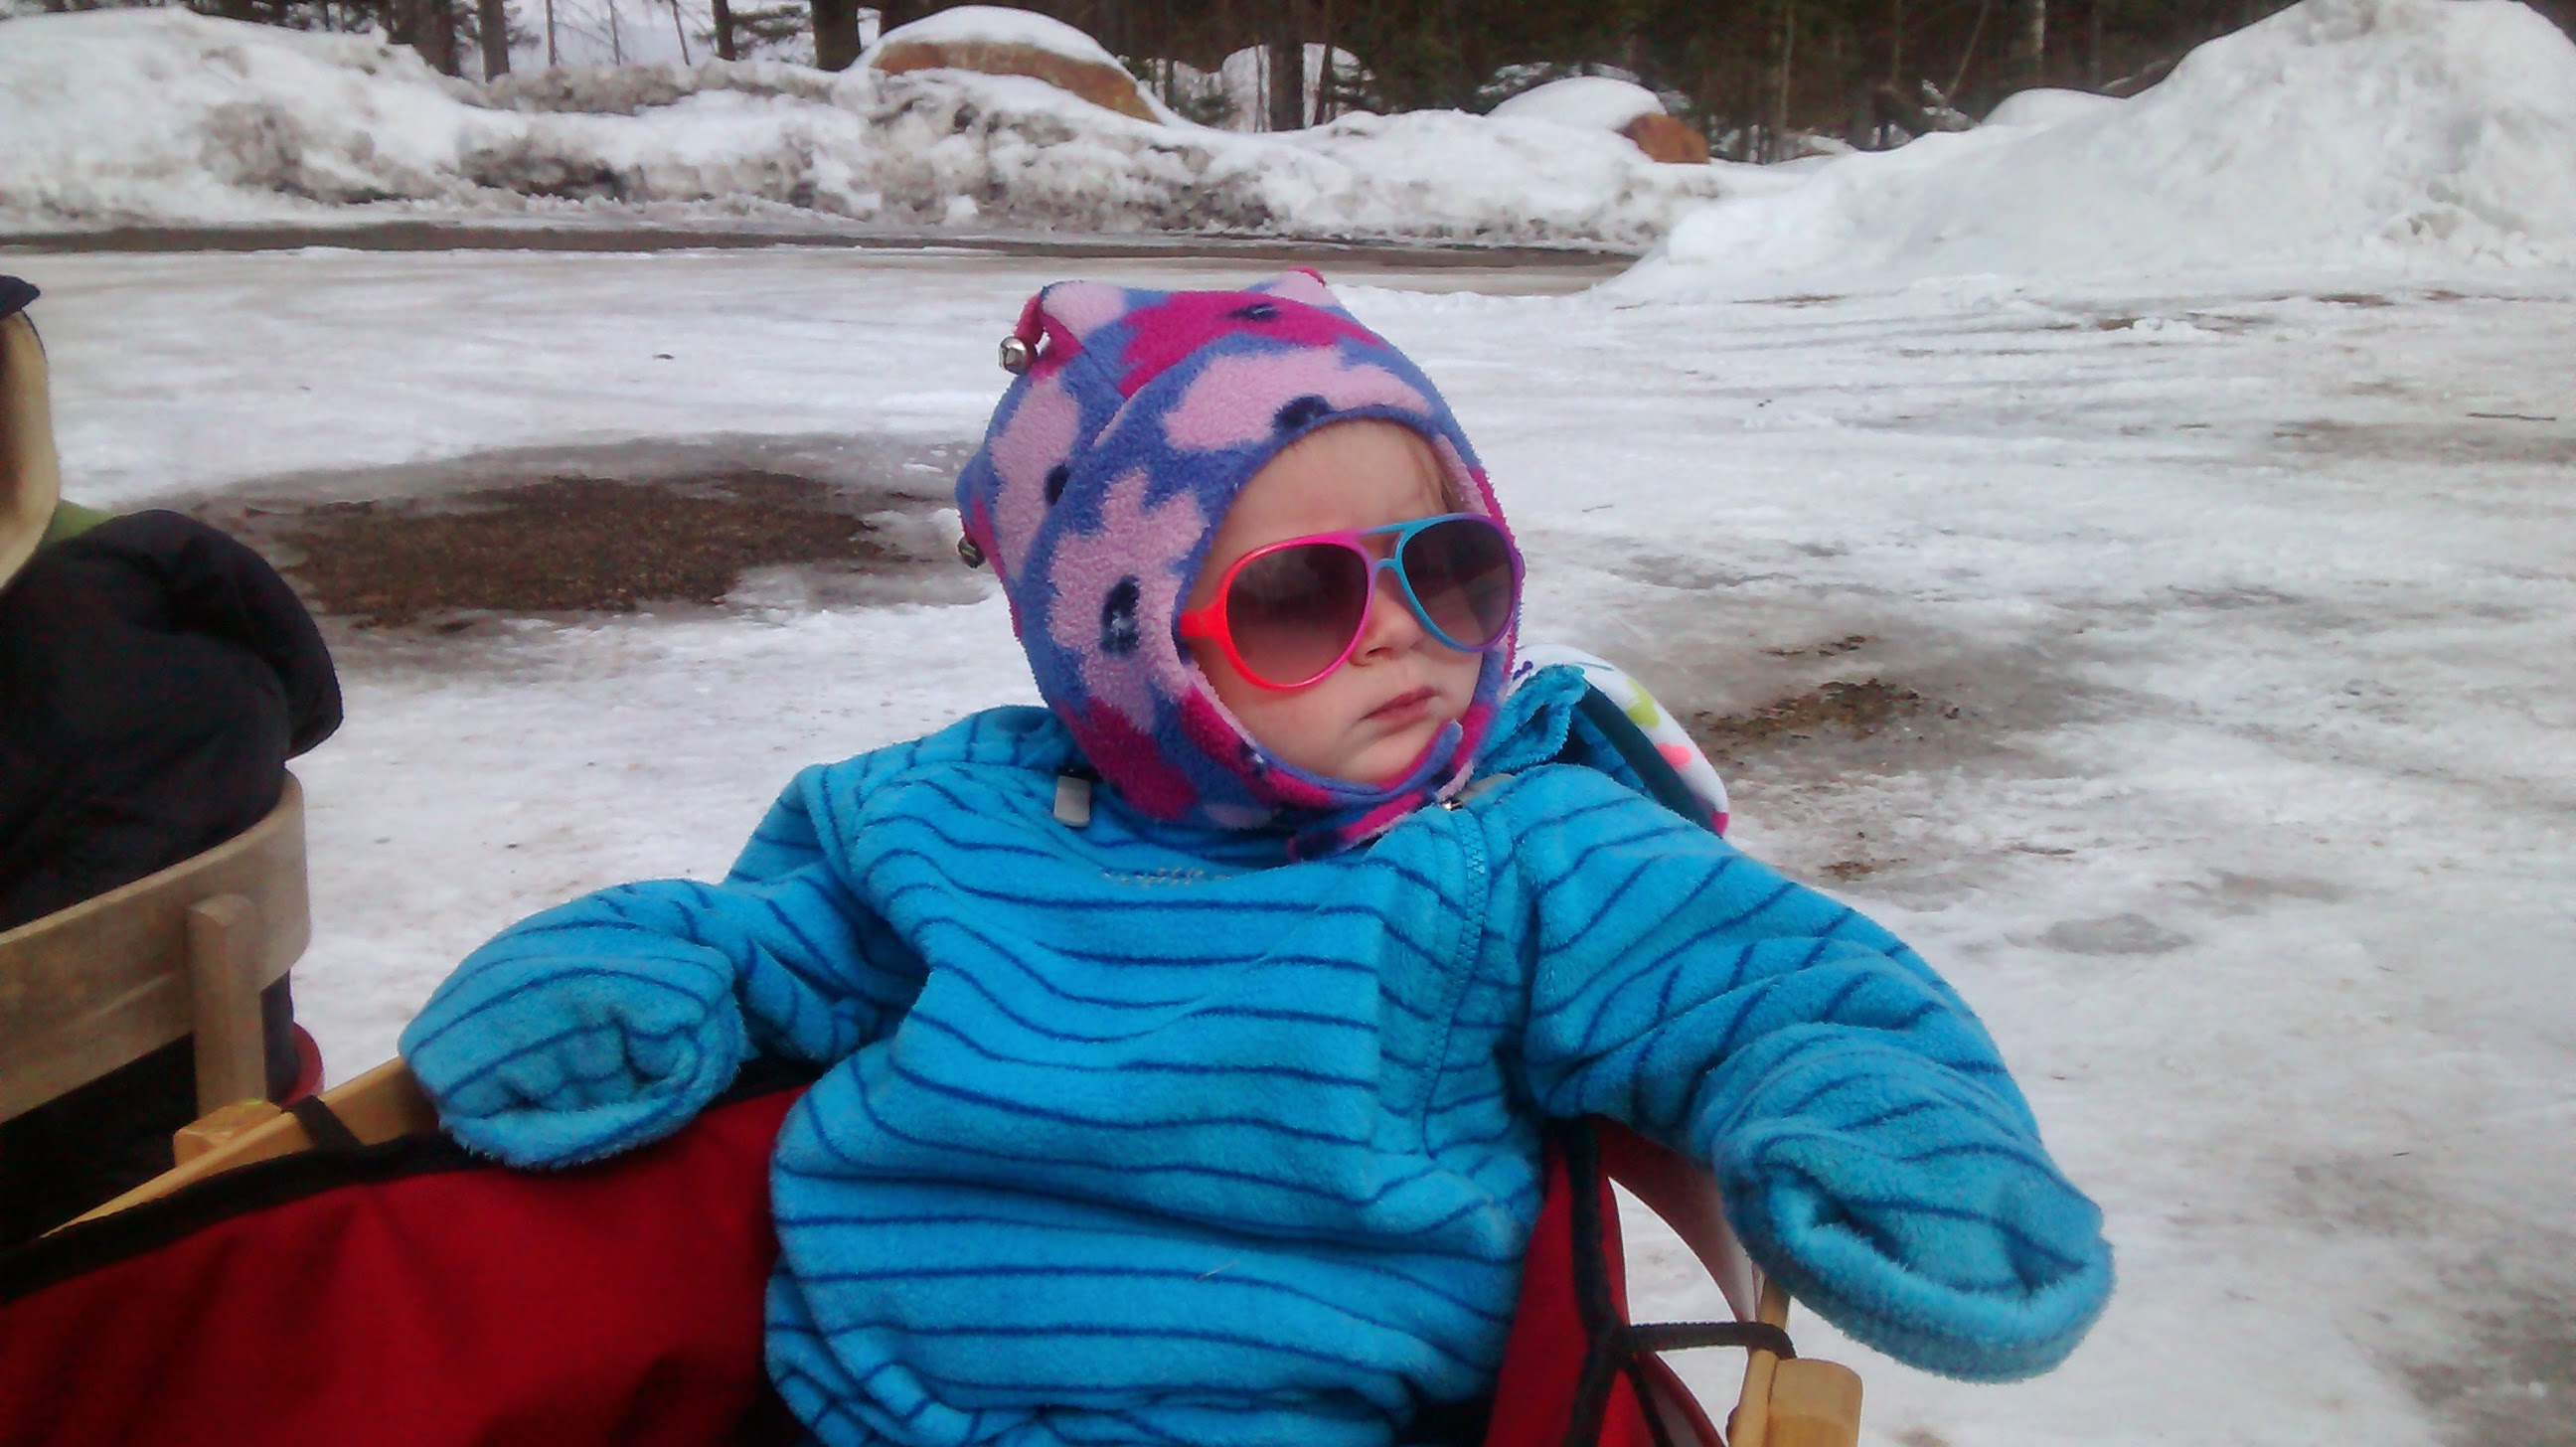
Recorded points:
(1109, 464)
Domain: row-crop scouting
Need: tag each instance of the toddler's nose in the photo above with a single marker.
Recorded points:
(1392, 628)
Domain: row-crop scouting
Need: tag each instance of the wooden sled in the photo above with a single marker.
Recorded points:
(252, 1198)
(1783, 1401)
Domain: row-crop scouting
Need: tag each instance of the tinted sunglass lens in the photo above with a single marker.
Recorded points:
(1461, 570)
(1293, 612)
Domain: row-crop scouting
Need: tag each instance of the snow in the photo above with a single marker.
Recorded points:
(997, 25)
(2047, 106)
(1244, 79)
(1593, 102)
(2252, 840)
(2200, 461)
(2335, 133)
(166, 117)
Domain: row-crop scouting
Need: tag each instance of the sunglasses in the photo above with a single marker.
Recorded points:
(1288, 613)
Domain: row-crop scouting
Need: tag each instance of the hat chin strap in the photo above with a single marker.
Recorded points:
(30, 473)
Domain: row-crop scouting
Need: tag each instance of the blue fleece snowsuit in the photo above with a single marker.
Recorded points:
(1136, 1134)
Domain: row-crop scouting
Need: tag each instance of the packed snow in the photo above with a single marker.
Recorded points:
(2240, 801)
(2337, 132)
(1592, 102)
(2191, 471)
(167, 117)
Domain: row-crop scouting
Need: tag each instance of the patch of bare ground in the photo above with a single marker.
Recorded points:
(561, 544)
(1872, 723)
(1869, 709)
(2514, 1382)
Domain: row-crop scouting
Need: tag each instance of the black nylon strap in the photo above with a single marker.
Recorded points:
(1613, 1348)
(329, 1132)
(1675, 1336)
(1602, 1344)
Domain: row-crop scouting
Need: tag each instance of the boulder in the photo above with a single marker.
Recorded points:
(1103, 84)
(1663, 138)
(1601, 103)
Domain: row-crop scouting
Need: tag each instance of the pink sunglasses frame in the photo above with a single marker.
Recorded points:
(1210, 621)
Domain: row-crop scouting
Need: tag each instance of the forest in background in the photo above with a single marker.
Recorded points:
(1761, 78)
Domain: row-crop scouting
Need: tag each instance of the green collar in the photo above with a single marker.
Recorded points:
(70, 520)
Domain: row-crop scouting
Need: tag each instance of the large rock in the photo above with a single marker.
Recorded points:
(1105, 86)
(1600, 103)
(997, 40)
(1664, 139)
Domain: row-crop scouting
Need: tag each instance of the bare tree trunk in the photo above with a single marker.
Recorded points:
(493, 17)
(680, 31)
(616, 42)
(1327, 95)
(1779, 147)
(724, 29)
(552, 59)
(1976, 32)
(2034, 42)
(1287, 70)
(443, 38)
(2093, 44)
(836, 33)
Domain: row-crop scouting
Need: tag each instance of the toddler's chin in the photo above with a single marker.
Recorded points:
(1387, 760)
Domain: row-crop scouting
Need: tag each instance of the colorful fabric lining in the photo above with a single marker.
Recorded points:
(1661, 729)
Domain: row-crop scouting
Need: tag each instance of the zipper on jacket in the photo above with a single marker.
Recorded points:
(1470, 938)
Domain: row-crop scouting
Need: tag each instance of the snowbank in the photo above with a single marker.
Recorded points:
(1593, 102)
(2338, 132)
(2047, 106)
(162, 116)
(997, 25)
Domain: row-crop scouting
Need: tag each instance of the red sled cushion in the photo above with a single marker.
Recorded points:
(1543, 1397)
(409, 1295)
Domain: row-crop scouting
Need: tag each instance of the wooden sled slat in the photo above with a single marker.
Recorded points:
(99, 985)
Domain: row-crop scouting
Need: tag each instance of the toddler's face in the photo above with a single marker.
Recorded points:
(1368, 720)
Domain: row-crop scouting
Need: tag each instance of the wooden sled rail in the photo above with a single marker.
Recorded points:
(184, 952)
(378, 1106)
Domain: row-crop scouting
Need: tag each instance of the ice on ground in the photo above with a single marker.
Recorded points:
(2241, 801)
(162, 116)
(1592, 102)
(2337, 132)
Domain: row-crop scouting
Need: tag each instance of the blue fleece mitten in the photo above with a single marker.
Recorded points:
(547, 1057)
(1916, 1210)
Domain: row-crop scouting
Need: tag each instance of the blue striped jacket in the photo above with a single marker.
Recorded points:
(1133, 1134)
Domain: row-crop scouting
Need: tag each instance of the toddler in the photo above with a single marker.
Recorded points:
(1186, 1043)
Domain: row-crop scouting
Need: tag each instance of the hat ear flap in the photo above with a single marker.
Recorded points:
(30, 474)
(1059, 320)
